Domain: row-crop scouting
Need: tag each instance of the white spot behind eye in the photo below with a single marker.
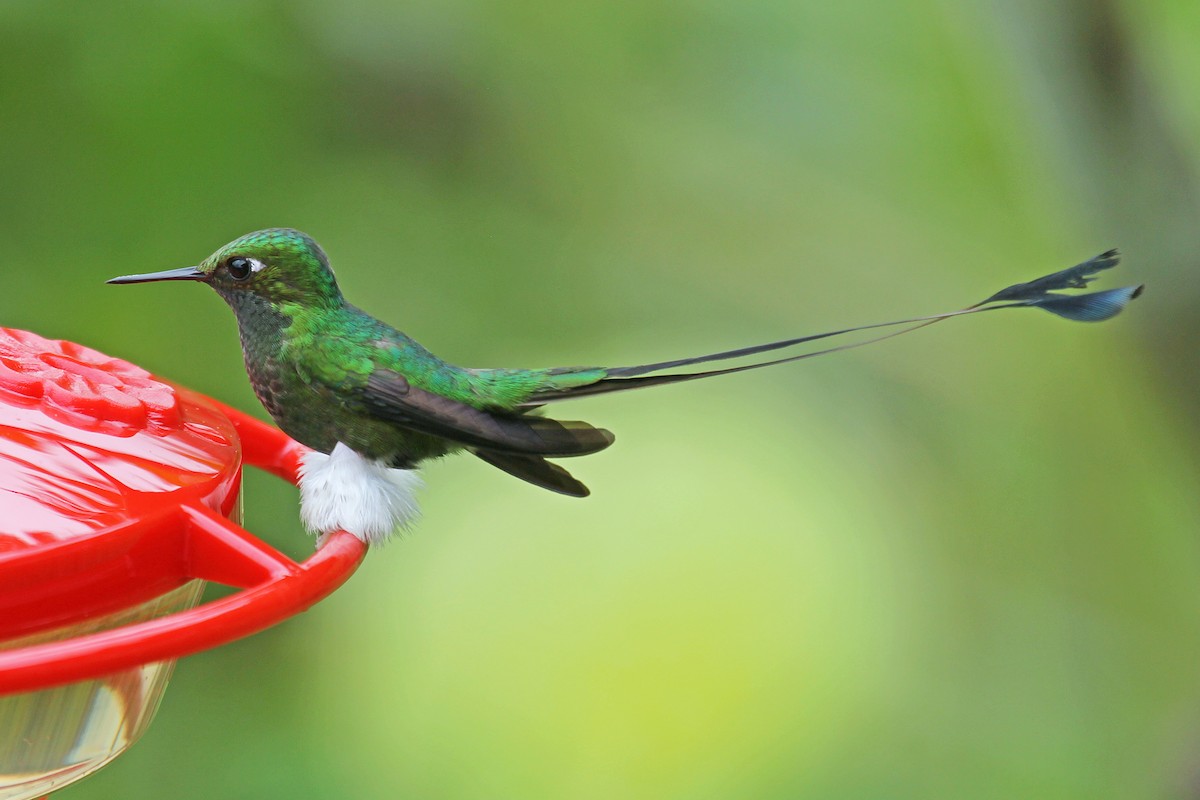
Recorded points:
(256, 265)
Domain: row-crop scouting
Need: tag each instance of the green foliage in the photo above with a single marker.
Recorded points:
(961, 564)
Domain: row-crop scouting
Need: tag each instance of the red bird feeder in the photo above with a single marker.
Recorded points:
(119, 498)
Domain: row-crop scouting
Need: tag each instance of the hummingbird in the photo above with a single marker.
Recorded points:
(372, 404)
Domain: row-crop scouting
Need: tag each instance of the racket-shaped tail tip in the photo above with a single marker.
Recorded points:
(1091, 307)
(1076, 277)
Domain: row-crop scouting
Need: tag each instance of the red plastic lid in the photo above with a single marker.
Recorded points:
(89, 445)
(116, 487)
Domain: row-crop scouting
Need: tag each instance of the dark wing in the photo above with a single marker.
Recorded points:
(536, 470)
(388, 395)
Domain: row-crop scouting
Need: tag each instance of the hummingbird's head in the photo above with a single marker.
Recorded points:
(278, 266)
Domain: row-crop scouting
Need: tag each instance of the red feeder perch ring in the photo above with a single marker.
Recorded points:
(209, 547)
(119, 496)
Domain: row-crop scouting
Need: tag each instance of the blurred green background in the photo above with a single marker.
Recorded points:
(961, 564)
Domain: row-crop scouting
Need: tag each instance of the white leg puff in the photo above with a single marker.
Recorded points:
(345, 491)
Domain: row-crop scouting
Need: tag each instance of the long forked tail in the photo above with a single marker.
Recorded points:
(1040, 293)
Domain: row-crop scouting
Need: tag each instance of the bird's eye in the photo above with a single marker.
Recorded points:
(239, 268)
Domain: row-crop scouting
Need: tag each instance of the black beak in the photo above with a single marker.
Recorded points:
(181, 274)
